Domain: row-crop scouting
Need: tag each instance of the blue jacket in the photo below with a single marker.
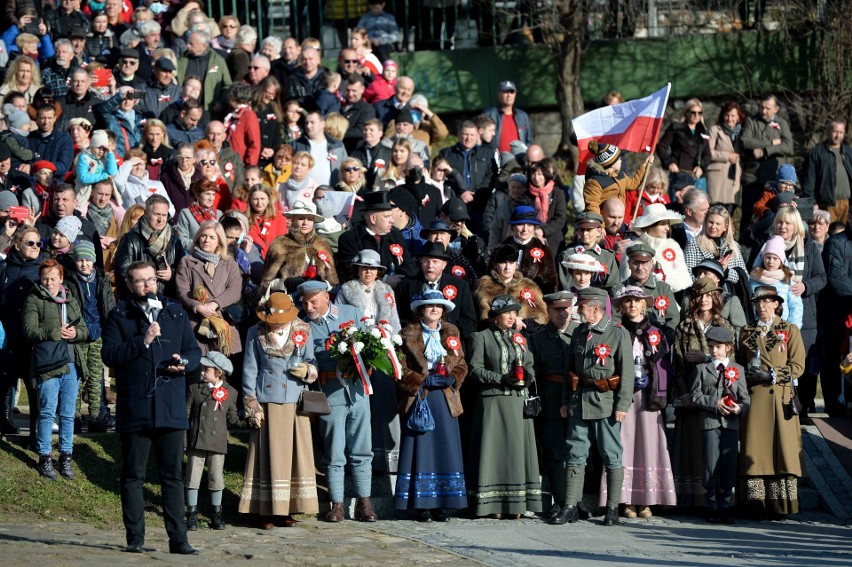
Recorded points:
(522, 120)
(149, 399)
(56, 148)
(266, 377)
(91, 170)
(45, 44)
(337, 394)
(107, 111)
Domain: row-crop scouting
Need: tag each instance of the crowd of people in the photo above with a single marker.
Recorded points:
(192, 218)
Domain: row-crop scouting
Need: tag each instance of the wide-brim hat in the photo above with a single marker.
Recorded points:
(438, 225)
(432, 297)
(304, 209)
(278, 309)
(368, 259)
(654, 213)
(766, 292)
(584, 263)
(631, 292)
(524, 214)
(435, 250)
(503, 304)
(712, 265)
(704, 285)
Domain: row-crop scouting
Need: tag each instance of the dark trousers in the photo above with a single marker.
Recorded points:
(720, 466)
(751, 193)
(168, 447)
(830, 375)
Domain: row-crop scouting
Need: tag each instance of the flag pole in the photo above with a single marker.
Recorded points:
(653, 149)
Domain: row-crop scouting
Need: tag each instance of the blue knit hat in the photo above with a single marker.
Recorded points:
(786, 174)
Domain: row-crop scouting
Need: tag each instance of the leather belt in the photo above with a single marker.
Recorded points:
(554, 378)
(326, 375)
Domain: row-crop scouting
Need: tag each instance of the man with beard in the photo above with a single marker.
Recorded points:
(55, 75)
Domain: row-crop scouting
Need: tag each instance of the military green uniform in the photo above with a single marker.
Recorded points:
(550, 348)
(607, 280)
(657, 289)
(591, 413)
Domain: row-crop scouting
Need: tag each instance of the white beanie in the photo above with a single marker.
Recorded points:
(70, 227)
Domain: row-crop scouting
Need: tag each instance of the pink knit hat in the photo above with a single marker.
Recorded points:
(775, 245)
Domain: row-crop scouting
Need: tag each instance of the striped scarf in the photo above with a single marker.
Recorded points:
(796, 257)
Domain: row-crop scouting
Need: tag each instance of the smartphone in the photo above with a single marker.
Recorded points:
(727, 253)
(19, 213)
(101, 78)
(137, 95)
(161, 263)
(74, 322)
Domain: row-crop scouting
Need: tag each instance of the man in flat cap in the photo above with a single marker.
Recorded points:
(597, 396)
(551, 350)
(588, 232)
(665, 311)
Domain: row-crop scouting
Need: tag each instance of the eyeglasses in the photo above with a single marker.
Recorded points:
(350, 61)
(148, 281)
(351, 168)
(229, 25)
(696, 112)
(33, 243)
(206, 162)
(130, 62)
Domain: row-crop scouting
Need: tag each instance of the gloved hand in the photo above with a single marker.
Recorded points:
(256, 420)
(758, 375)
(510, 381)
(696, 357)
(299, 371)
(438, 381)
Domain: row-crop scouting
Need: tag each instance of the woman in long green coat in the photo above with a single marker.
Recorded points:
(502, 473)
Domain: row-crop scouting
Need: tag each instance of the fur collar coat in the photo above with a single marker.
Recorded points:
(416, 367)
(290, 255)
(490, 287)
(352, 293)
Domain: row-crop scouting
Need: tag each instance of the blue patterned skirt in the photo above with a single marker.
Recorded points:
(431, 469)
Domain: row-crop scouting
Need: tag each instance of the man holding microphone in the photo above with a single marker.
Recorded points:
(149, 341)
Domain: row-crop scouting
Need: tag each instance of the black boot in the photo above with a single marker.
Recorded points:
(65, 466)
(192, 518)
(611, 517)
(45, 467)
(567, 515)
(7, 427)
(217, 522)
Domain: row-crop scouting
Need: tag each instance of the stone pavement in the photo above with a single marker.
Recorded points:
(675, 540)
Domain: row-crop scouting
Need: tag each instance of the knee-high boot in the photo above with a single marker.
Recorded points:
(614, 480)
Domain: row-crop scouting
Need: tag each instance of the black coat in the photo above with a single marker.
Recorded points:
(356, 239)
(147, 399)
(483, 168)
(133, 248)
(819, 175)
(381, 152)
(357, 114)
(814, 279)
(428, 199)
(73, 107)
(463, 316)
(680, 146)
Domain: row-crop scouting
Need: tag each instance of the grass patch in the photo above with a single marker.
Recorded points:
(94, 497)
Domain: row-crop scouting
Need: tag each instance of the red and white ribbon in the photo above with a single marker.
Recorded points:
(323, 255)
(361, 368)
(458, 272)
(732, 374)
(528, 296)
(519, 340)
(537, 254)
(661, 304)
(387, 342)
(784, 336)
(602, 352)
(220, 394)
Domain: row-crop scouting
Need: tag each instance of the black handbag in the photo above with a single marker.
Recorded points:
(50, 355)
(532, 404)
(420, 419)
(313, 403)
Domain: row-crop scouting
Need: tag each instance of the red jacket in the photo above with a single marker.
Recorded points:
(263, 233)
(244, 136)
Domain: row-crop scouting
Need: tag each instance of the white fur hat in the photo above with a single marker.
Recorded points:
(583, 262)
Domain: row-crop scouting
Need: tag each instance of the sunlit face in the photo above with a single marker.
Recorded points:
(315, 304)
(432, 268)
(440, 236)
(99, 24)
(210, 375)
(506, 320)
(356, 41)
(228, 29)
(84, 266)
(431, 314)
(352, 174)
(303, 225)
(390, 73)
(381, 222)
(559, 315)
(216, 134)
(469, 138)
(280, 159)
(367, 276)
(768, 109)
(314, 125)
(30, 245)
(269, 94)
(64, 54)
(252, 178)
(719, 351)
(101, 194)
(399, 155)
(658, 230)
(581, 278)
(208, 241)
(196, 44)
(640, 267)
(586, 235)
(655, 188)
(152, 40)
(731, 118)
(43, 176)
(523, 231)
(715, 226)
(372, 134)
(705, 302)
(259, 201)
(818, 230)
(634, 307)
(191, 117)
(301, 168)
(46, 120)
(291, 50)
(310, 61)
(613, 218)
(694, 115)
(191, 89)
(59, 241)
(784, 228)
(836, 134)
(154, 136)
(506, 270)
(206, 199)
(766, 308)
(404, 89)
(143, 281)
(138, 170)
(537, 178)
(51, 280)
(771, 262)
(64, 203)
(258, 71)
(208, 165)
(268, 50)
(158, 216)
(186, 160)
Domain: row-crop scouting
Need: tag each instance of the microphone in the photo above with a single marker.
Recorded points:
(152, 304)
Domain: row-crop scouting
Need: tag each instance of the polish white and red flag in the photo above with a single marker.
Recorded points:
(633, 125)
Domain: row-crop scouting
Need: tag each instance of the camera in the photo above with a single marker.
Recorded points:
(183, 361)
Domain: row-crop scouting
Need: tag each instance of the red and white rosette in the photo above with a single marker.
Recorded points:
(528, 296)
(602, 352)
(379, 164)
(390, 299)
(519, 340)
(454, 344)
(220, 394)
(299, 339)
(654, 339)
(784, 336)
(669, 255)
(323, 256)
(661, 304)
(450, 292)
(397, 251)
(425, 200)
(458, 271)
(732, 374)
(229, 170)
(537, 254)
(332, 158)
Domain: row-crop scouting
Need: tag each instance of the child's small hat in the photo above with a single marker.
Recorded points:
(215, 359)
(719, 335)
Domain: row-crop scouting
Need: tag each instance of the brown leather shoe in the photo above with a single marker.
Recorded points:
(336, 513)
(364, 510)
(289, 522)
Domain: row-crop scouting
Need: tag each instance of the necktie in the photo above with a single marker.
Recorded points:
(721, 368)
(378, 239)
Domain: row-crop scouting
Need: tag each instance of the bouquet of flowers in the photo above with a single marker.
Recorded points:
(358, 351)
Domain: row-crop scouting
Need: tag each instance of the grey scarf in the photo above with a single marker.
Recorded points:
(100, 217)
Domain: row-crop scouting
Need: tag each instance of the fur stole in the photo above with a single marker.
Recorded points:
(490, 287)
(352, 293)
(289, 255)
(415, 367)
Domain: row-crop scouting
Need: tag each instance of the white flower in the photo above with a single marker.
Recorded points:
(376, 333)
(359, 346)
(386, 326)
(350, 331)
(342, 347)
(397, 340)
(370, 322)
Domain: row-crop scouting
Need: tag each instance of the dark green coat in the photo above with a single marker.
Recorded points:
(42, 323)
(487, 368)
(551, 350)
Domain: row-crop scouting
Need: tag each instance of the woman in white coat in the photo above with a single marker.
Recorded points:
(669, 264)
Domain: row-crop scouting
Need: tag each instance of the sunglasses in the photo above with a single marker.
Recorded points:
(350, 61)
(229, 25)
(207, 162)
(444, 171)
(33, 243)
(696, 112)
(351, 168)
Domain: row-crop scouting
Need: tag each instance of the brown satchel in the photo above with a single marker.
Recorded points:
(313, 403)
(603, 385)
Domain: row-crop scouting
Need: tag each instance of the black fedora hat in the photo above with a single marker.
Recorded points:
(377, 201)
(434, 250)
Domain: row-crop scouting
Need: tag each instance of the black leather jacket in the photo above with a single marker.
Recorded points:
(133, 248)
